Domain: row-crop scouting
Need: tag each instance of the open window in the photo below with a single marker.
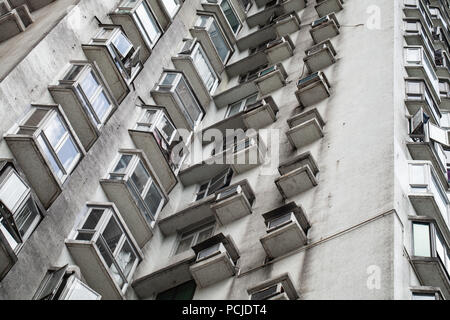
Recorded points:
(117, 58)
(196, 66)
(286, 229)
(64, 284)
(174, 92)
(278, 288)
(155, 134)
(139, 23)
(216, 260)
(86, 99)
(132, 185)
(105, 250)
(46, 148)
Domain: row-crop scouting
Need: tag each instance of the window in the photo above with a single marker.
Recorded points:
(142, 187)
(216, 35)
(204, 68)
(102, 227)
(189, 239)
(216, 183)
(59, 146)
(426, 296)
(19, 213)
(144, 18)
(229, 14)
(176, 83)
(171, 6)
(444, 88)
(62, 284)
(241, 105)
(184, 291)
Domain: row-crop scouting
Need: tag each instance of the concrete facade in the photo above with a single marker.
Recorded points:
(359, 244)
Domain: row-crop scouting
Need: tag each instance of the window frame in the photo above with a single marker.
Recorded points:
(194, 233)
(226, 175)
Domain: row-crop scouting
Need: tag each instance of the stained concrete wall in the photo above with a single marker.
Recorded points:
(362, 162)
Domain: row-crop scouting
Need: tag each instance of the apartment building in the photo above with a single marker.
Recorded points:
(224, 149)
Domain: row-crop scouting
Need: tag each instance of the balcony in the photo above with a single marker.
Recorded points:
(286, 229)
(175, 93)
(156, 135)
(255, 115)
(279, 288)
(320, 56)
(418, 64)
(277, 27)
(46, 148)
(305, 128)
(268, 53)
(325, 7)
(133, 186)
(216, 260)
(416, 9)
(276, 8)
(212, 206)
(226, 15)
(430, 256)
(416, 35)
(105, 251)
(418, 95)
(312, 89)
(168, 275)
(117, 58)
(297, 175)
(214, 41)
(325, 28)
(13, 21)
(195, 65)
(427, 143)
(427, 195)
(140, 25)
(85, 98)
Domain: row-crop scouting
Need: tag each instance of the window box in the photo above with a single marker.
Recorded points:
(226, 15)
(428, 140)
(171, 274)
(418, 95)
(214, 41)
(231, 204)
(134, 188)
(427, 195)
(279, 288)
(195, 65)
(297, 175)
(279, 50)
(33, 5)
(216, 260)
(65, 284)
(260, 114)
(287, 23)
(418, 64)
(313, 89)
(276, 8)
(430, 256)
(325, 7)
(117, 59)
(140, 25)
(156, 135)
(105, 250)
(305, 128)
(86, 100)
(325, 28)
(201, 210)
(174, 92)
(20, 213)
(287, 227)
(47, 149)
(320, 56)
(271, 79)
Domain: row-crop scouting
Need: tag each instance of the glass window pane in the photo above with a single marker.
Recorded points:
(55, 130)
(148, 116)
(185, 244)
(13, 191)
(122, 44)
(80, 291)
(171, 6)
(218, 41)
(234, 108)
(205, 234)
(89, 85)
(67, 153)
(153, 199)
(191, 108)
(123, 163)
(140, 177)
(421, 236)
(166, 128)
(50, 157)
(101, 105)
(204, 69)
(112, 234)
(26, 216)
(168, 79)
(73, 72)
(230, 15)
(126, 258)
(148, 23)
(93, 219)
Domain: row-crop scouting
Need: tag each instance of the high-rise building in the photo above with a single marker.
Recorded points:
(224, 149)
